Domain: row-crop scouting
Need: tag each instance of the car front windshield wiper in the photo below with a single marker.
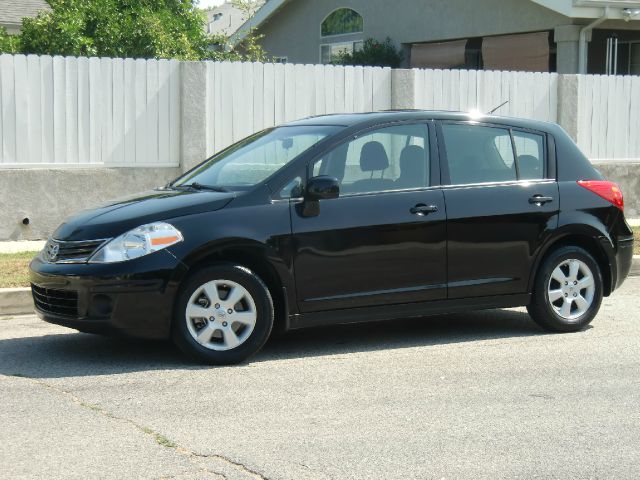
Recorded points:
(200, 186)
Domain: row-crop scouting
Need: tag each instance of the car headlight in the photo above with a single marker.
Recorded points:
(138, 242)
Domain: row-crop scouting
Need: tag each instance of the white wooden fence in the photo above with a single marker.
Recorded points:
(609, 117)
(243, 98)
(66, 111)
(529, 95)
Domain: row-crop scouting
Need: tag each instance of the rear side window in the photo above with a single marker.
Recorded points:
(478, 154)
(530, 154)
(481, 154)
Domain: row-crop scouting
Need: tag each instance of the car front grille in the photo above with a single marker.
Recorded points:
(57, 251)
(59, 302)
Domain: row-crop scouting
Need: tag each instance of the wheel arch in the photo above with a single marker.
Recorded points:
(591, 239)
(258, 258)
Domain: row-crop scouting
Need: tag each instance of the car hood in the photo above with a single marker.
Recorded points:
(119, 216)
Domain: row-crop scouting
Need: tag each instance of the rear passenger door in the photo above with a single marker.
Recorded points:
(501, 205)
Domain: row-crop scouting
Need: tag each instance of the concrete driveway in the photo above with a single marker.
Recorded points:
(479, 395)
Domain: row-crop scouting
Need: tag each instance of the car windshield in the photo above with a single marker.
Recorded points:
(251, 161)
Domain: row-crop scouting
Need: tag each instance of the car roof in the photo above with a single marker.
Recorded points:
(364, 120)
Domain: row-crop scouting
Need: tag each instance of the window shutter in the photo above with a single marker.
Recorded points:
(438, 55)
(527, 53)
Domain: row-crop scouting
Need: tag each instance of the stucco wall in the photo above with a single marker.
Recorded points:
(407, 21)
(47, 196)
(627, 175)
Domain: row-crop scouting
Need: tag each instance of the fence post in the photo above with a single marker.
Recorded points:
(568, 104)
(193, 144)
(403, 91)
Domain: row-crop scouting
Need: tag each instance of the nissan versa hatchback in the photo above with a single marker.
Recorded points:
(345, 218)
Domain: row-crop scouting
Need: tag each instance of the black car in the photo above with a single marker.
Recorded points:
(345, 218)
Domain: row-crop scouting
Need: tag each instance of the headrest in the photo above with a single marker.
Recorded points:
(373, 157)
(529, 167)
(412, 159)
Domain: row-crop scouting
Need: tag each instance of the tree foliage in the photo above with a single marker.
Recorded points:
(117, 28)
(126, 28)
(373, 53)
(9, 43)
(249, 49)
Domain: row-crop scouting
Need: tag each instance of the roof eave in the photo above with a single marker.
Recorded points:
(264, 13)
(589, 8)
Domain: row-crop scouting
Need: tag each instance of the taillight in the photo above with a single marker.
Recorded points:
(610, 191)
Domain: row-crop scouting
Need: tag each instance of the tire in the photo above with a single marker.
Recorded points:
(214, 330)
(568, 276)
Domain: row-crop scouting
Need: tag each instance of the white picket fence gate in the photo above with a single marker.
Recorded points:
(67, 111)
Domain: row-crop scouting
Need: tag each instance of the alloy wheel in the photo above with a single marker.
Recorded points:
(571, 289)
(221, 315)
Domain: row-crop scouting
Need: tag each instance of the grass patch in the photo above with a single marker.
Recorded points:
(14, 269)
(91, 406)
(159, 438)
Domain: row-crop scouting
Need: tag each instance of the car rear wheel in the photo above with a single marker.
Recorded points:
(223, 315)
(567, 292)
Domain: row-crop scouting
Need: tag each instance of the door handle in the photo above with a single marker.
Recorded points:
(422, 209)
(540, 200)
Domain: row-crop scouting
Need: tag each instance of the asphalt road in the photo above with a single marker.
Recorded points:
(479, 395)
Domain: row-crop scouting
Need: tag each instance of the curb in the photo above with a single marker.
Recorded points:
(635, 266)
(15, 301)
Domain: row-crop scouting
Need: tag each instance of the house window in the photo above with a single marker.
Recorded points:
(629, 58)
(280, 59)
(329, 51)
(342, 21)
(217, 17)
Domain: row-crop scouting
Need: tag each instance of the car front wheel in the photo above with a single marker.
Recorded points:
(223, 315)
(567, 292)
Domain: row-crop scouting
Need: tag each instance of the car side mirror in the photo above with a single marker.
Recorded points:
(322, 187)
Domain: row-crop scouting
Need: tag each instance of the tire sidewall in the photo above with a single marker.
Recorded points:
(264, 310)
(549, 266)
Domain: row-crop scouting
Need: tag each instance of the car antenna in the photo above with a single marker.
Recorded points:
(498, 108)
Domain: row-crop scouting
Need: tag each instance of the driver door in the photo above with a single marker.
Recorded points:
(383, 241)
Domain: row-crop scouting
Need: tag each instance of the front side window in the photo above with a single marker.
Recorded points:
(254, 159)
(341, 22)
(391, 158)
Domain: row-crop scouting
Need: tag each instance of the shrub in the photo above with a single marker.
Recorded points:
(9, 43)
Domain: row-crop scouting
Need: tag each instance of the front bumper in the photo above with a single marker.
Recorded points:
(134, 298)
